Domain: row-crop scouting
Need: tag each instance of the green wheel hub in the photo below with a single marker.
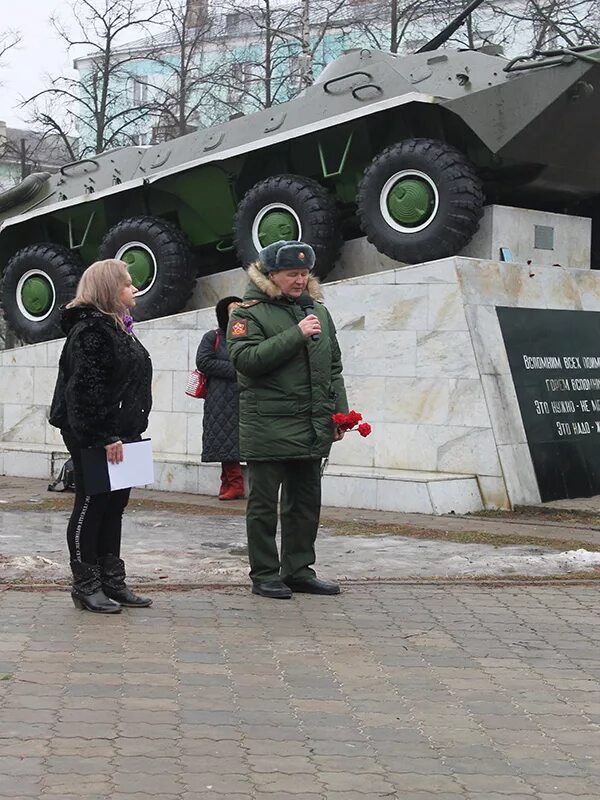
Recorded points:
(140, 266)
(37, 295)
(276, 225)
(410, 201)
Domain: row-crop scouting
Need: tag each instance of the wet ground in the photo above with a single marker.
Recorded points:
(191, 549)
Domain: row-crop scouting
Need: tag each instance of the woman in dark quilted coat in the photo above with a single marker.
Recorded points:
(220, 434)
(102, 399)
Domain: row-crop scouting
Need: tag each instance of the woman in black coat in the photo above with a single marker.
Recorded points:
(102, 399)
(220, 435)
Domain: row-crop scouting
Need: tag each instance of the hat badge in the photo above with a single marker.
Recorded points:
(301, 255)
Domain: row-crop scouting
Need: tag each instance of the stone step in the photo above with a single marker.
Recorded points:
(343, 486)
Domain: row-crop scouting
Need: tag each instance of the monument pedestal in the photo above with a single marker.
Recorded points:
(432, 355)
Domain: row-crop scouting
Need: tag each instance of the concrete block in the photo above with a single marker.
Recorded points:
(43, 385)
(168, 348)
(431, 272)
(386, 353)
(175, 476)
(416, 400)
(168, 431)
(347, 492)
(493, 492)
(539, 236)
(588, 286)
(24, 424)
(17, 388)
(445, 308)
(406, 446)
(519, 475)
(487, 341)
(27, 463)
(53, 351)
(369, 397)
(181, 402)
(504, 411)
(470, 451)
(458, 496)
(440, 355)
(209, 289)
(32, 355)
(209, 478)
(359, 257)
(53, 437)
(413, 496)
(162, 390)
(194, 435)
(466, 404)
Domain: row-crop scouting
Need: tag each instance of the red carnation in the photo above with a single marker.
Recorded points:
(349, 421)
(339, 419)
(345, 422)
(353, 419)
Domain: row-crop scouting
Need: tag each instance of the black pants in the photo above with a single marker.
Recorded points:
(300, 482)
(94, 529)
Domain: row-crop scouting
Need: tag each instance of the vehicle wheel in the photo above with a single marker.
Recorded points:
(37, 280)
(159, 261)
(288, 207)
(420, 200)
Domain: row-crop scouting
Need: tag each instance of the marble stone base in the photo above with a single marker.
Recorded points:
(424, 362)
(343, 487)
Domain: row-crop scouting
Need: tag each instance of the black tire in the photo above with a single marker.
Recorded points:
(170, 282)
(37, 281)
(446, 223)
(307, 201)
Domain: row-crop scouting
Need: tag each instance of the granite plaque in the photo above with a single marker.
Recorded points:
(554, 359)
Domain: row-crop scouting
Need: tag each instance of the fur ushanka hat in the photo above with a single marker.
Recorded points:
(286, 255)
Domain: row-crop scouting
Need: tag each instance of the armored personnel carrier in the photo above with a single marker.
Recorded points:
(403, 149)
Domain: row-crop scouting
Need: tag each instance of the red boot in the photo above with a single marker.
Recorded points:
(235, 482)
(224, 481)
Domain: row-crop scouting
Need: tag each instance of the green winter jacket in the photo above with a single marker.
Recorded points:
(289, 385)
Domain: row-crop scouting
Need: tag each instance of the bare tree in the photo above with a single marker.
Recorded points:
(28, 151)
(390, 24)
(555, 23)
(404, 25)
(181, 96)
(96, 104)
(8, 40)
(312, 21)
(274, 48)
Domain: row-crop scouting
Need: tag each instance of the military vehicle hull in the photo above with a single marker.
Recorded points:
(403, 149)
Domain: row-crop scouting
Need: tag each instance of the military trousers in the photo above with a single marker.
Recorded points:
(300, 508)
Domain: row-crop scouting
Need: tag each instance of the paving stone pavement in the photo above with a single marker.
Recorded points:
(407, 692)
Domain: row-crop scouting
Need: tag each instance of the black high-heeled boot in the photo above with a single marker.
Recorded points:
(112, 571)
(87, 592)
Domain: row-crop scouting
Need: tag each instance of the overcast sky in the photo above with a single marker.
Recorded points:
(40, 52)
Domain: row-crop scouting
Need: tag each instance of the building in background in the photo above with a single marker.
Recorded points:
(214, 61)
(25, 151)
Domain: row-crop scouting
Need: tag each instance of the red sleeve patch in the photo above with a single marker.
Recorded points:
(239, 328)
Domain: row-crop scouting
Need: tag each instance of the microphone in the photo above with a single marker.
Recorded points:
(308, 310)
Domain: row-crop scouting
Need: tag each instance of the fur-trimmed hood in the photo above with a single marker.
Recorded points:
(266, 286)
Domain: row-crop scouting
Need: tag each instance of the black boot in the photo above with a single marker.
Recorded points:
(87, 589)
(112, 570)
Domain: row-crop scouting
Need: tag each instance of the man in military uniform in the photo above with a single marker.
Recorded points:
(283, 344)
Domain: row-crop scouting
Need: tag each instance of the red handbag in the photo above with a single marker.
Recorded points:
(197, 383)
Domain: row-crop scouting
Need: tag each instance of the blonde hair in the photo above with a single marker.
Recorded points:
(100, 286)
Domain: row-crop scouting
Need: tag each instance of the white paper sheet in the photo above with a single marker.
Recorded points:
(136, 469)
